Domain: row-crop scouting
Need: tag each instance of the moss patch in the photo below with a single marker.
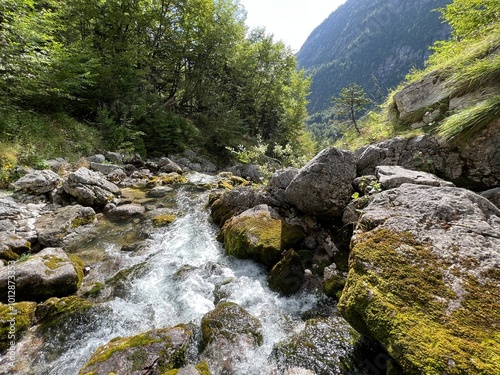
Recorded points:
(396, 293)
(15, 319)
(78, 265)
(162, 220)
(259, 237)
(54, 311)
(82, 220)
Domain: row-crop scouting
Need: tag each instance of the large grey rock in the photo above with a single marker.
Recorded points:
(424, 274)
(49, 273)
(39, 182)
(250, 172)
(90, 188)
(415, 99)
(324, 186)
(287, 275)
(493, 195)
(391, 177)
(278, 183)
(168, 166)
(12, 246)
(154, 352)
(126, 211)
(105, 169)
(56, 228)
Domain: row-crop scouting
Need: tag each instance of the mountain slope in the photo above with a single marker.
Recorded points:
(373, 43)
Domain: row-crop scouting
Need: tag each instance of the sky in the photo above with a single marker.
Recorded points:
(291, 21)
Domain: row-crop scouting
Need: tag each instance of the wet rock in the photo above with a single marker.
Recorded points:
(232, 203)
(90, 188)
(423, 275)
(323, 187)
(49, 273)
(287, 275)
(259, 234)
(154, 352)
(323, 347)
(159, 191)
(229, 334)
(391, 177)
(59, 227)
(38, 182)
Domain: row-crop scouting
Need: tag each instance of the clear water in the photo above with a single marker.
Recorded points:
(174, 283)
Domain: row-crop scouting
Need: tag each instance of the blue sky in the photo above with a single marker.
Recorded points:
(289, 20)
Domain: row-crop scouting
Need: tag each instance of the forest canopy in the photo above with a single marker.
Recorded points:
(149, 76)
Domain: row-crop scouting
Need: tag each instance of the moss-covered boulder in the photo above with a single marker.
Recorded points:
(49, 273)
(424, 279)
(229, 334)
(13, 246)
(56, 311)
(324, 346)
(15, 319)
(154, 352)
(260, 234)
(287, 275)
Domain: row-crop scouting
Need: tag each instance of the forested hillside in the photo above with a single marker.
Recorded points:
(373, 43)
(146, 76)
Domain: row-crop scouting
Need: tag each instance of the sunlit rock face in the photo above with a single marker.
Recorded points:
(423, 279)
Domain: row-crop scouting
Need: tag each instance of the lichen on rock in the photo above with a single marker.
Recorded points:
(423, 279)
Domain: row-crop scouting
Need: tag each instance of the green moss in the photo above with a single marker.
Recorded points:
(79, 265)
(9, 255)
(23, 314)
(333, 286)
(95, 291)
(162, 220)
(396, 294)
(170, 179)
(82, 220)
(52, 262)
(54, 311)
(203, 368)
(260, 237)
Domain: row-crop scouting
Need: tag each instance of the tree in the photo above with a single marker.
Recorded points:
(352, 99)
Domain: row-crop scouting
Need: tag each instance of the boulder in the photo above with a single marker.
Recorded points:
(104, 168)
(126, 211)
(324, 346)
(114, 157)
(392, 176)
(98, 158)
(414, 100)
(159, 191)
(90, 188)
(229, 335)
(278, 183)
(38, 182)
(49, 273)
(232, 203)
(323, 187)
(423, 279)
(56, 228)
(287, 275)
(168, 166)
(259, 234)
(250, 172)
(154, 352)
(12, 246)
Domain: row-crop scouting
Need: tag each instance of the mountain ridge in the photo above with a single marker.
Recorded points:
(371, 43)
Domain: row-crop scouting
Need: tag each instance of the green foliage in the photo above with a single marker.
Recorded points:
(461, 126)
(151, 76)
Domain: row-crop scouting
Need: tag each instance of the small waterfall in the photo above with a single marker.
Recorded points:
(178, 280)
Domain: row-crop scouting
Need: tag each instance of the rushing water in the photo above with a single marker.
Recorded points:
(174, 281)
